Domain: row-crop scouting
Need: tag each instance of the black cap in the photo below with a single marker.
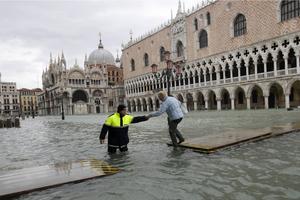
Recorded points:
(121, 107)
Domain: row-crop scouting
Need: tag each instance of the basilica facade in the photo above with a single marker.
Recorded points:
(95, 88)
(225, 55)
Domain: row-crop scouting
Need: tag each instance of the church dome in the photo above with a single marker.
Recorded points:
(101, 56)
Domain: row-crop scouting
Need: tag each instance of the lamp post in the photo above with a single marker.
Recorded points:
(62, 107)
(167, 72)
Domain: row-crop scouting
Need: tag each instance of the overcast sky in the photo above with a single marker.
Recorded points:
(30, 30)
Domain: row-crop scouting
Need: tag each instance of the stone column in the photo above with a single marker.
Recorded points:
(231, 74)
(287, 101)
(224, 77)
(239, 72)
(154, 106)
(232, 103)
(136, 108)
(247, 70)
(219, 104)
(195, 105)
(286, 65)
(266, 102)
(275, 66)
(132, 108)
(218, 77)
(210, 77)
(206, 104)
(205, 79)
(194, 80)
(106, 108)
(199, 79)
(248, 103)
(148, 107)
(265, 68)
(255, 68)
(298, 65)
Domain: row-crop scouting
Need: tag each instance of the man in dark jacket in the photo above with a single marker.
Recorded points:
(117, 126)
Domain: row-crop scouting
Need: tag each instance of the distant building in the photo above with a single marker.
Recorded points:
(9, 99)
(85, 90)
(28, 101)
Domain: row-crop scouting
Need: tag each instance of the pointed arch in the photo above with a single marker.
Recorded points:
(225, 99)
(189, 101)
(240, 25)
(146, 59)
(203, 39)
(179, 49)
(276, 97)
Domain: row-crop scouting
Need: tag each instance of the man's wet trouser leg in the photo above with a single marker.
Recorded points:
(174, 132)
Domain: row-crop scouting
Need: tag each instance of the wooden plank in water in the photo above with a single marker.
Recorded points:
(211, 143)
(37, 178)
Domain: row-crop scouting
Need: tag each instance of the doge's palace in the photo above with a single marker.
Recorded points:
(232, 55)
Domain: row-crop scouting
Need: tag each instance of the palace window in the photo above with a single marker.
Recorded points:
(162, 54)
(240, 26)
(203, 41)
(146, 59)
(179, 48)
(196, 24)
(289, 9)
(208, 18)
(132, 63)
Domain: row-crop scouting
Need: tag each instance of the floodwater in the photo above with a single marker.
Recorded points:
(266, 170)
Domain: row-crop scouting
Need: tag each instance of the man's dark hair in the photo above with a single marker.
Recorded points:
(121, 107)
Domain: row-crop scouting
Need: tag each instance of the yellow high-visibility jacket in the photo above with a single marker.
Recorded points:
(117, 128)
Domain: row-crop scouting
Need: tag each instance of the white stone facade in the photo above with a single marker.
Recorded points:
(9, 99)
(257, 69)
(79, 90)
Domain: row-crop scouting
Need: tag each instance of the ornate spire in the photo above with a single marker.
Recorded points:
(50, 62)
(179, 8)
(117, 59)
(100, 46)
(62, 55)
(130, 33)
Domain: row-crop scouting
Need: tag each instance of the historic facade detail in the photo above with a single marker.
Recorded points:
(9, 99)
(85, 90)
(256, 68)
(28, 101)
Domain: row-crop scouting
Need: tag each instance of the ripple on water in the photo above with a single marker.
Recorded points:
(152, 170)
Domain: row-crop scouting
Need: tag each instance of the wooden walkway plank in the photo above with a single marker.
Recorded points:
(37, 178)
(214, 142)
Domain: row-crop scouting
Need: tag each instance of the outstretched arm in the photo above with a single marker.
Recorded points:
(162, 109)
(138, 119)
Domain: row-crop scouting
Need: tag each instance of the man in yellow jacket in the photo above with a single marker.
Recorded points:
(117, 126)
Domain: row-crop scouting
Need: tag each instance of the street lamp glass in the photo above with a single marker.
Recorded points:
(178, 70)
(154, 68)
(169, 64)
(167, 55)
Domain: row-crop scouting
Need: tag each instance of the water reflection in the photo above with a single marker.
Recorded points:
(151, 170)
